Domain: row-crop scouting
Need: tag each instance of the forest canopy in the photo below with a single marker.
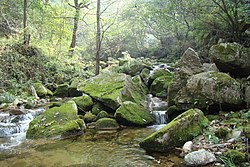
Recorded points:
(65, 30)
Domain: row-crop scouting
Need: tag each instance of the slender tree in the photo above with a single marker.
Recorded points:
(25, 18)
(98, 37)
(77, 6)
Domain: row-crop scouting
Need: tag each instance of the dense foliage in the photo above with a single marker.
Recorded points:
(143, 28)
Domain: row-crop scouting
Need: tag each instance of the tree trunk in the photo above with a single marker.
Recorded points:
(25, 35)
(98, 38)
(73, 41)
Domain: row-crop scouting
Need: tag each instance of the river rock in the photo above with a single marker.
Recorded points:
(133, 67)
(84, 102)
(132, 114)
(106, 123)
(188, 65)
(102, 114)
(180, 130)
(199, 158)
(73, 92)
(159, 87)
(232, 58)
(89, 117)
(114, 88)
(62, 90)
(210, 88)
(187, 147)
(145, 75)
(40, 89)
(57, 121)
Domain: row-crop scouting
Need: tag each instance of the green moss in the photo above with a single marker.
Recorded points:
(40, 89)
(236, 156)
(130, 113)
(56, 121)
(84, 102)
(160, 85)
(158, 73)
(102, 114)
(62, 90)
(97, 107)
(113, 88)
(106, 123)
(183, 128)
(89, 117)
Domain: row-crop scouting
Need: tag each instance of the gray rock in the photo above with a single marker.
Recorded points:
(209, 88)
(198, 158)
(232, 58)
(210, 67)
(188, 65)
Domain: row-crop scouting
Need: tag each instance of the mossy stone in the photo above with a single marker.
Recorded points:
(113, 88)
(102, 114)
(97, 107)
(84, 102)
(73, 92)
(62, 90)
(158, 73)
(57, 121)
(106, 123)
(145, 74)
(132, 114)
(180, 130)
(159, 87)
(236, 156)
(89, 117)
(40, 89)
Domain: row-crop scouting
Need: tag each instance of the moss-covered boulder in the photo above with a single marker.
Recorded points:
(57, 121)
(159, 87)
(40, 89)
(84, 102)
(188, 65)
(232, 58)
(132, 67)
(145, 75)
(180, 130)
(114, 88)
(102, 114)
(89, 117)
(73, 92)
(106, 123)
(158, 73)
(97, 108)
(210, 89)
(62, 90)
(132, 114)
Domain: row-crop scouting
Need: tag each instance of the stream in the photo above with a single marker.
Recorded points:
(119, 148)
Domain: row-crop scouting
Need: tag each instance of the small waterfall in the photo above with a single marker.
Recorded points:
(13, 127)
(158, 108)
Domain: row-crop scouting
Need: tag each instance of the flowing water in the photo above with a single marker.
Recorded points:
(158, 108)
(93, 149)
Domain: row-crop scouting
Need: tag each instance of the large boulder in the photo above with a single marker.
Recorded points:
(180, 130)
(84, 102)
(209, 89)
(114, 88)
(57, 121)
(188, 65)
(130, 113)
(62, 90)
(232, 58)
(73, 92)
(159, 87)
(106, 123)
(40, 89)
